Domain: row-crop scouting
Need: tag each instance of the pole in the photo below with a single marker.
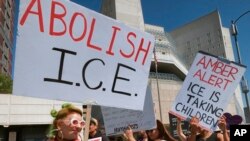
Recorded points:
(244, 86)
(243, 80)
(87, 115)
(237, 47)
(157, 84)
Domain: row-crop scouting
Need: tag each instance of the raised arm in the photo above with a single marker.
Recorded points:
(223, 127)
(128, 134)
(179, 130)
(194, 129)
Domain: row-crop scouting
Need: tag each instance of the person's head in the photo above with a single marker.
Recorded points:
(232, 119)
(141, 135)
(93, 126)
(68, 122)
(160, 132)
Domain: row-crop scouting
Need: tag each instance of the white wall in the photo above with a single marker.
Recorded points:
(18, 110)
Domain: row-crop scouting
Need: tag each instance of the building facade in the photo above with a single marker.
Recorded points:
(176, 50)
(207, 34)
(166, 74)
(127, 11)
(166, 80)
(6, 35)
(25, 118)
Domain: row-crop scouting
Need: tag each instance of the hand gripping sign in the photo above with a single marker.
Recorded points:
(67, 52)
(117, 120)
(207, 89)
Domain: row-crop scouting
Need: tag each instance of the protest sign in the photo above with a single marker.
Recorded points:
(67, 52)
(96, 139)
(116, 120)
(173, 126)
(207, 89)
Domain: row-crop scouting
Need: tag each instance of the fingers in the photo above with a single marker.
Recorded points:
(178, 119)
(222, 124)
(129, 128)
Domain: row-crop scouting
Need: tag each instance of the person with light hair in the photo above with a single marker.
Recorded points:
(67, 124)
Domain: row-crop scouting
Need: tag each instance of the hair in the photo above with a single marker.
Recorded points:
(163, 133)
(66, 111)
(94, 121)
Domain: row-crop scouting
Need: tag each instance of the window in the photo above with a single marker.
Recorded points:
(1, 40)
(2, 19)
(7, 26)
(8, 3)
(5, 58)
(209, 41)
(208, 35)
(5, 70)
(8, 15)
(199, 46)
(6, 45)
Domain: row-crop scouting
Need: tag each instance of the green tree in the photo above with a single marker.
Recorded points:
(5, 84)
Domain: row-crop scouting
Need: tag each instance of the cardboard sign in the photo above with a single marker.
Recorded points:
(67, 52)
(173, 126)
(96, 139)
(117, 120)
(207, 89)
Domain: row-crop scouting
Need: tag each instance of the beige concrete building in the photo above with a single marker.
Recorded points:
(170, 72)
(207, 34)
(127, 11)
(175, 51)
(28, 118)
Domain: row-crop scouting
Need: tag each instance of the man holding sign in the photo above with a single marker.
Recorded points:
(207, 89)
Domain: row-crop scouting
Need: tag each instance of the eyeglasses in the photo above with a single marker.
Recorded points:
(76, 122)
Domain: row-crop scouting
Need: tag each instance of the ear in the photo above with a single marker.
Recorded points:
(59, 124)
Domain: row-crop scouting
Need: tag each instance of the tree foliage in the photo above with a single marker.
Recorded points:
(5, 84)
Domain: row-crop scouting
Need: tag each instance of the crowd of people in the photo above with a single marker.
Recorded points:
(68, 125)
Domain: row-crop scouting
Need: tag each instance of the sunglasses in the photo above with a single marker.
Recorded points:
(76, 122)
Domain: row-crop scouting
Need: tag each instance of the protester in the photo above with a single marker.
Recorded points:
(67, 125)
(200, 134)
(180, 133)
(129, 135)
(94, 132)
(223, 127)
(160, 133)
(140, 135)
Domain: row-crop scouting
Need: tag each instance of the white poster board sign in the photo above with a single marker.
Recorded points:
(96, 139)
(116, 120)
(207, 89)
(67, 52)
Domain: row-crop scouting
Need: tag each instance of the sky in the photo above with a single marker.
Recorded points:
(172, 14)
